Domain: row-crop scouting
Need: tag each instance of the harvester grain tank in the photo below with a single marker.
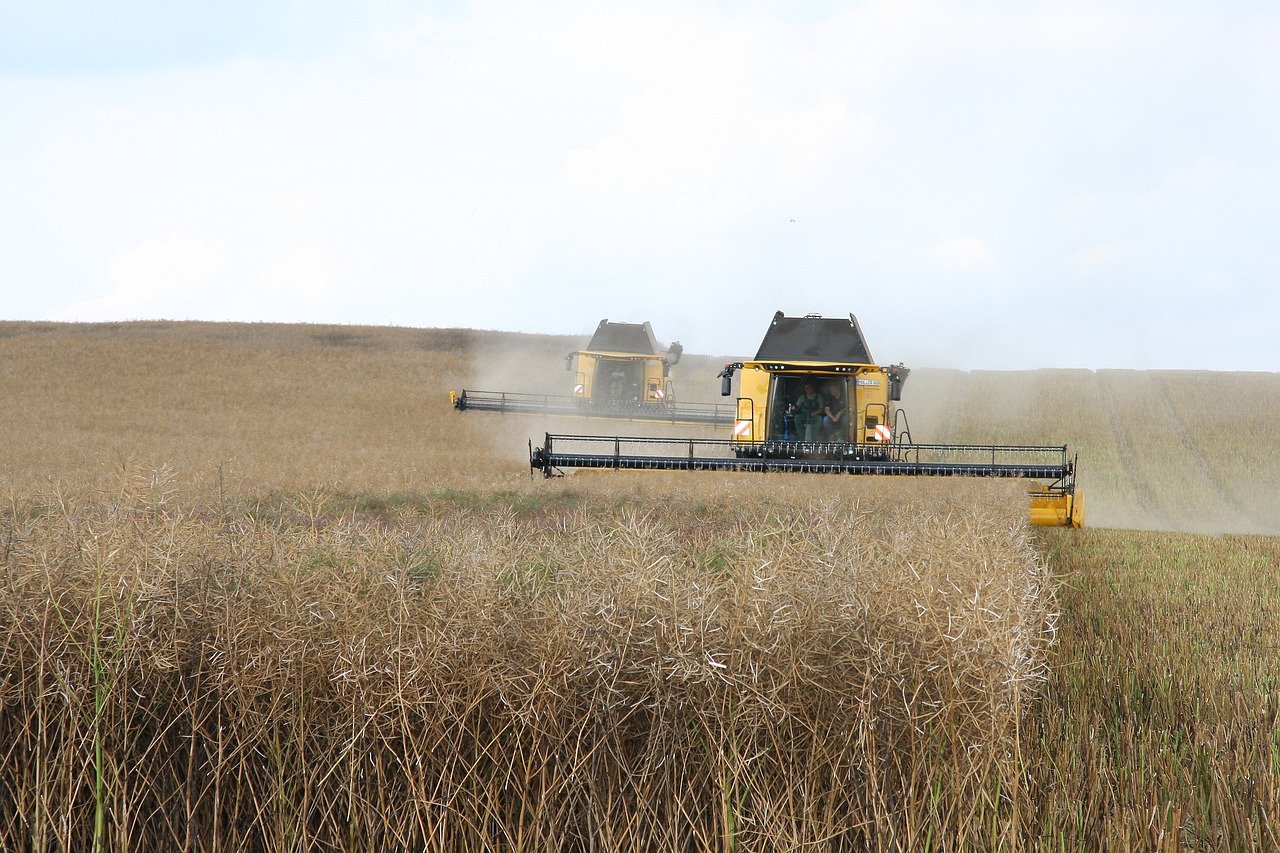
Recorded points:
(622, 373)
(813, 400)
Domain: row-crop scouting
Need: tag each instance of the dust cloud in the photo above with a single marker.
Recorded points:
(1150, 454)
(1144, 459)
(275, 406)
(537, 365)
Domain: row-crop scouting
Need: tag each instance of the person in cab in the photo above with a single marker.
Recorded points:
(833, 413)
(809, 409)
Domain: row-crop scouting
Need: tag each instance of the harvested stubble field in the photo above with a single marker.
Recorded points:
(262, 587)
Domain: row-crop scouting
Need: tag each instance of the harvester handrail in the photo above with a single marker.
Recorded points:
(901, 434)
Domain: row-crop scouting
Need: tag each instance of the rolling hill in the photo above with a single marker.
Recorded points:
(282, 406)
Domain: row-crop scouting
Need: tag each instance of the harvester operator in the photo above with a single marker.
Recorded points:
(809, 409)
(833, 412)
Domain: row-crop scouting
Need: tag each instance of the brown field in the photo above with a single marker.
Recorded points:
(263, 587)
(277, 406)
(1159, 450)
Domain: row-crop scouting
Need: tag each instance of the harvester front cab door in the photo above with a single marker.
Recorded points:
(618, 380)
(797, 402)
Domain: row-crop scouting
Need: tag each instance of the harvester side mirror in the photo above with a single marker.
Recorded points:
(726, 378)
(673, 355)
(897, 378)
(568, 362)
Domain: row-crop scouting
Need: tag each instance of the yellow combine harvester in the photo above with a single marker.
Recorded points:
(624, 364)
(814, 400)
(622, 373)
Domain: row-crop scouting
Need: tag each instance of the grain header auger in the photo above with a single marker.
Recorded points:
(814, 401)
(623, 374)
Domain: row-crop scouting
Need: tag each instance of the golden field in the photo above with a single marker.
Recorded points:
(1159, 450)
(264, 587)
(278, 406)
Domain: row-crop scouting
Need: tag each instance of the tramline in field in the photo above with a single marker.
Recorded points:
(623, 373)
(814, 401)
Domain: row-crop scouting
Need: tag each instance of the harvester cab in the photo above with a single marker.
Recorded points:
(623, 364)
(814, 400)
(813, 380)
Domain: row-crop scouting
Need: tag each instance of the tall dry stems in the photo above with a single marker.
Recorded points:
(563, 669)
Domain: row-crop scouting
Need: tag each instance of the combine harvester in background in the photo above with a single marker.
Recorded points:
(623, 373)
(815, 401)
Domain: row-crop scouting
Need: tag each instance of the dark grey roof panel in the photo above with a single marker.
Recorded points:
(814, 338)
(624, 337)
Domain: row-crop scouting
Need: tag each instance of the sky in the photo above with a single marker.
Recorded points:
(986, 185)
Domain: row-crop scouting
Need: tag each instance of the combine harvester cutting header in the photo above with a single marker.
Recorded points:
(623, 373)
(814, 401)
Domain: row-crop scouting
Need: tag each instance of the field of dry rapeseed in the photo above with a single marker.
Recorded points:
(262, 586)
(276, 406)
(257, 406)
(1159, 450)
(582, 667)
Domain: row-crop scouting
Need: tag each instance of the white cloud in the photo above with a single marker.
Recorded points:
(1078, 207)
(960, 254)
(156, 273)
(1099, 257)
